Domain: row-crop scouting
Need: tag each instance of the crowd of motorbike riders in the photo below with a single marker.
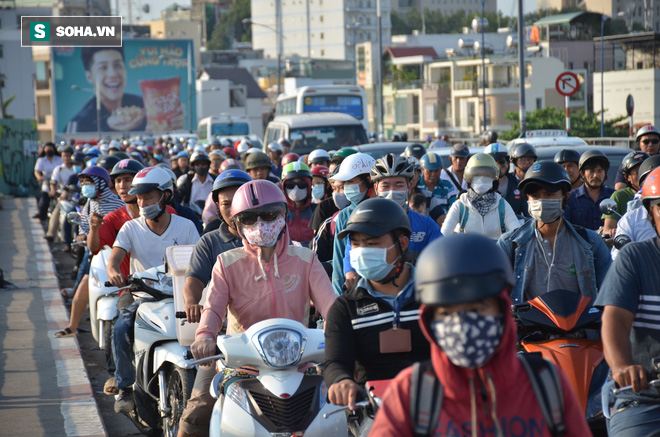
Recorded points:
(404, 259)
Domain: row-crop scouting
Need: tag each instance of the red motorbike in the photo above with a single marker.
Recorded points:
(564, 327)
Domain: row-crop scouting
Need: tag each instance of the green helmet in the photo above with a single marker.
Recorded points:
(296, 170)
(256, 160)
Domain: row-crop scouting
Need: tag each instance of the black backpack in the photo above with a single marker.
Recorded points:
(426, 394)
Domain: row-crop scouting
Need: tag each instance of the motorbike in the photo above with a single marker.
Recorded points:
(282, 399)
(609, 207)
(563, 326)
(361, 419)
(652, 394)
(102, 301)
(164, 380)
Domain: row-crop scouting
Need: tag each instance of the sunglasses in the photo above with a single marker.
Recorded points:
(290, 185)
(250, 217)
(653, 141)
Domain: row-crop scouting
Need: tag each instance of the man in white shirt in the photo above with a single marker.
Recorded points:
(58, 180)
(146, 239)
(454, 174)
(196, 185)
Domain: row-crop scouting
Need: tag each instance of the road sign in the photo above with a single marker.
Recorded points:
(630, 105)
(567, 83)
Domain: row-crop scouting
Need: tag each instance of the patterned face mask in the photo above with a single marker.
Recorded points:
(296, 194)
(263, 233)
(467, 338)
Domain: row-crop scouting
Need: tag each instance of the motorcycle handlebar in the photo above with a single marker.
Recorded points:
(135, 284)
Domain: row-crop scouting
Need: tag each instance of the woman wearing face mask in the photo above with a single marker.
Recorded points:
(265, 278)
(297, 187)
(548, 252)
(321, 189)
(373, 325)
(475, 379)
(46, 163)
(481, 210)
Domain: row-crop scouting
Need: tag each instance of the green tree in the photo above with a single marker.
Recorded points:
(399, 24)
(583, 124)
(230, 27)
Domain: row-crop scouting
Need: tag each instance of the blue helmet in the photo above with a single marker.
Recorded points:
(431, 161)
(497, 150)
(182, 155)
(229, 178)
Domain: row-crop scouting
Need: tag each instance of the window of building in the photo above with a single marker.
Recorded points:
(431, 112)
(321, 35)
(321, 18)
(539, 103)
(570, 65)
(2, 55)
(322, 52)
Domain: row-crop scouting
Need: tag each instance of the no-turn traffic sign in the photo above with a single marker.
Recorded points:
(567, 83)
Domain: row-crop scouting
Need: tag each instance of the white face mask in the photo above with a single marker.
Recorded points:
(400, 197)
(151, 212)
(481, 184)
(296, 194)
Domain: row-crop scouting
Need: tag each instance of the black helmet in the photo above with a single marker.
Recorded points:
(108, 162)
(567, 155)
(523, 149)
(549, 175)
(461, 268)
(460, 150)
(376, 217)
(199, 157)
(121, 155)
(126, 166)
(632, 160)
(416, 150)
(647, 167)
(78, 157)
(594, 155)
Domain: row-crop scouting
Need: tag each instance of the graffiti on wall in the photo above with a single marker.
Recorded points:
(18, 154)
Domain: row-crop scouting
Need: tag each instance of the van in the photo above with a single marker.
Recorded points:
(225, 126)
(307, 132)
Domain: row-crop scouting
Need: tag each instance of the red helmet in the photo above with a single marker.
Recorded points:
(289, 157)
(320, 171)
(231, 163)
(256, 195)
(231, 152)
(651, 188)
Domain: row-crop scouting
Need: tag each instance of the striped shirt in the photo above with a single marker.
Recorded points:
(102, 204)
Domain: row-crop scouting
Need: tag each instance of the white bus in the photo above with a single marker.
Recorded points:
(346, 99)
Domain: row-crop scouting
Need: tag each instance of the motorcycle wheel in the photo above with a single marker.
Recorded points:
(179, 388)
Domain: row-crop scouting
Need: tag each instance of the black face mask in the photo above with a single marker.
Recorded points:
(50, 153)
(202, 171)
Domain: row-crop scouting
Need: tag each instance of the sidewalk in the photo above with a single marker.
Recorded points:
(44, 388)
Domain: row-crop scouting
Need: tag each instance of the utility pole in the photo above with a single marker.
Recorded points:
(521, 66)
(379, 18)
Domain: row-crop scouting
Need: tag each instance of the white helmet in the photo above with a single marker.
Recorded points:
(242, 147)
(318, 155)
(199, 148)
(354, 165)
(252, 150)
(149, 179)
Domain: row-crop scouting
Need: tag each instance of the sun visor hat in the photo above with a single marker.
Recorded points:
(354, 165)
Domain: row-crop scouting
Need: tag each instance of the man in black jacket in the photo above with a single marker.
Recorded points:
(508, 184)
(374, 325)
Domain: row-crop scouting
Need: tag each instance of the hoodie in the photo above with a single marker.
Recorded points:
(473, 398)
(253, 290)
(297, 219)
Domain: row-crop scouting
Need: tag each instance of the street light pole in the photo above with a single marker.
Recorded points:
(521, 67)
(190, 88)
(483, 56)
(98, 109)
(381, 121)
(278, 26)
(279, 38)
(602, 77)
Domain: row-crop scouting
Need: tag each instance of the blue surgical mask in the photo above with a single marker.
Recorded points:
(158, 157)
(340, 200)
(371, 262)
(89, 191)
(77, 168)
(353, 193)
(318, 191)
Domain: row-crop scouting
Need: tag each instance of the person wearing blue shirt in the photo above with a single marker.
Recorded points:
(391, 176)
(584, 204)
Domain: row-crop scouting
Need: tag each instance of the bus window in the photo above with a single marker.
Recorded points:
(229, 129)
(304, 140)
(201, 131)
(351, 105)
(286, 106)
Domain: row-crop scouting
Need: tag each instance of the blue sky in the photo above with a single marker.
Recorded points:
(510, 7)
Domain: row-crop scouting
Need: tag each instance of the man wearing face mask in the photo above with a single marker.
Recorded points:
(325, 212)
(391, 176)
(475, 380)
(583, 207)
(548, 252)
(297, 187)
(145, 239)
(481, 210)
(371, 330)
(196, 185)
(507, 184)
(355, 174)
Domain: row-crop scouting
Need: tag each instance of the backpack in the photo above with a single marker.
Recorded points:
(426, 394)
(464, 213)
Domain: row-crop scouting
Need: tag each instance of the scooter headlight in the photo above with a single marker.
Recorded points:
(281, 347)
(164, 285)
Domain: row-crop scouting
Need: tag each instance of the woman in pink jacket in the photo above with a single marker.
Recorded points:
(267, 277)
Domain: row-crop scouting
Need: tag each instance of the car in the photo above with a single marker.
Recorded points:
(378, 150)
(546, 138)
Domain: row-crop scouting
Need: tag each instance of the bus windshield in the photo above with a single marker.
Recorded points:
(304, 140)
(229, 129)
(351, 105)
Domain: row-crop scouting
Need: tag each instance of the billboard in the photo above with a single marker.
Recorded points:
(145, 86)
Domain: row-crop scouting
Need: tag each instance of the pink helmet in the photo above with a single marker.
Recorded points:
(230, 163)
(255, 195)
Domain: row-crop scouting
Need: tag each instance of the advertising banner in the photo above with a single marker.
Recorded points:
(146, 86)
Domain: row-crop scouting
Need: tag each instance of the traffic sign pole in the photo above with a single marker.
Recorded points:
(567, 101)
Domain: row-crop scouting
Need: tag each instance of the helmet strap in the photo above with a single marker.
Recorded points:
(399, 266)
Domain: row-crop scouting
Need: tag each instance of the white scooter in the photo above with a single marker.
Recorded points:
(163, 380)
(102, 301)
(281, 400)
